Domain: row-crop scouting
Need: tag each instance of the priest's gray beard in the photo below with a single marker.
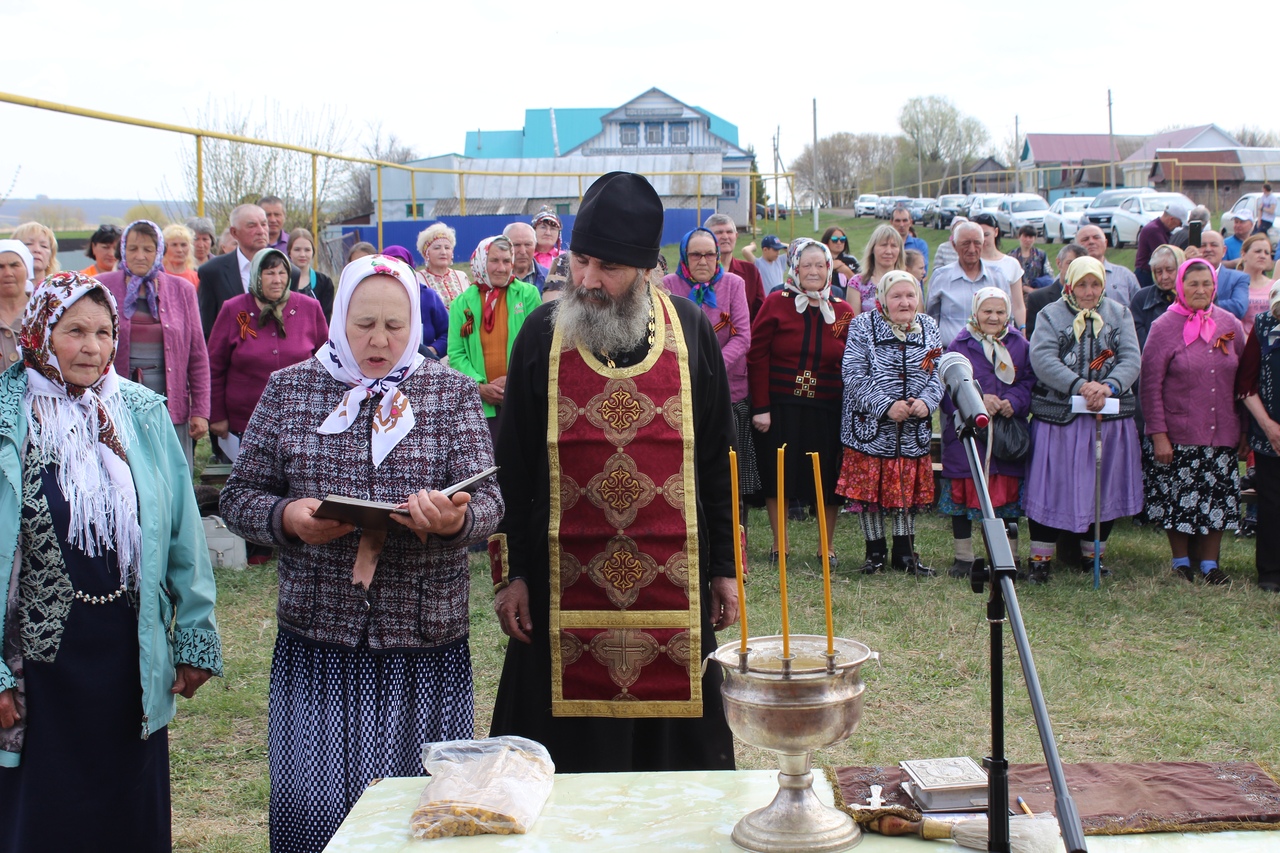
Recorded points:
(600, 323)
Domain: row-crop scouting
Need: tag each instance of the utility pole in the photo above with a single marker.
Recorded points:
(1017, 159)
(1111, 140)
(919, 165)
(815, 165)
(777, 167)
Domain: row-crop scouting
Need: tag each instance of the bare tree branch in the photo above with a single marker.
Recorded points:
(236, 173)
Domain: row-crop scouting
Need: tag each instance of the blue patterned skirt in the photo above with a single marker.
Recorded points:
(340, 718)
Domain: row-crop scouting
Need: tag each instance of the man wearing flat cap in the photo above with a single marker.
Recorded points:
(613, 567)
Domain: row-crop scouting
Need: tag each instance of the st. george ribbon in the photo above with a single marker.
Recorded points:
(957, 376)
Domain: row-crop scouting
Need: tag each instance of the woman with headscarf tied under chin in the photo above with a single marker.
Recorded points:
(1193, 487)
(110, 615)
(161, 340)
(797, 343)
(1084, 345)
(1001, 361)
(891, 389)
(371, 657)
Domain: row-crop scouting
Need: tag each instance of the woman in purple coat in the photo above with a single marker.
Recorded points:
(1001, 361)
(161, 341)
(722, 295)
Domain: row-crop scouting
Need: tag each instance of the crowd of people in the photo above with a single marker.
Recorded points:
(609, 391)
(1068, 362)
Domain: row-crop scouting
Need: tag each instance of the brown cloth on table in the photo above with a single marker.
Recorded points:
(1120, 799)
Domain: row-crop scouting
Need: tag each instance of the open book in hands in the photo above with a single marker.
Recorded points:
(376, 515)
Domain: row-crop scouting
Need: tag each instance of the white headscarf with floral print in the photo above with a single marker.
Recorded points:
(394, 418)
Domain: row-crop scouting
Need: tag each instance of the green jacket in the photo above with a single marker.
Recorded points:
(465, 353)
(175, 613)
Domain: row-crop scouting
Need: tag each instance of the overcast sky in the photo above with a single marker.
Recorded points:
(430, 72)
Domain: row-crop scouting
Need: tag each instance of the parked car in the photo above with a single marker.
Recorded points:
(917, 207)
(1018, 209)
(886, 204)
(1249, 201)
(941, 212)
(865, 205)
(1136, 211)
(1104, 204)
(984, 201)
(771, 211)
(1062, 219)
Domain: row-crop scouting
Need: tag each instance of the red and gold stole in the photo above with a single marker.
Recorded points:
(625, 607)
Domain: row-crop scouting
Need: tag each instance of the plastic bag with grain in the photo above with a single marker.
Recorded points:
(493, 786)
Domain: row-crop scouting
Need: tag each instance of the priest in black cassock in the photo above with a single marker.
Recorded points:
(613, 567)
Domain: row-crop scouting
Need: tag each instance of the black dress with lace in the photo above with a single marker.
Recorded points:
(87, 780)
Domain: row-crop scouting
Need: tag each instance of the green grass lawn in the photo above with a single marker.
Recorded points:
(1147, 668)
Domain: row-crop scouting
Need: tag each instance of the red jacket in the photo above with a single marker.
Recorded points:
(787, 344)
(755, 285)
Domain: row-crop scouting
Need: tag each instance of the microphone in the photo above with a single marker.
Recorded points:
(965, 393)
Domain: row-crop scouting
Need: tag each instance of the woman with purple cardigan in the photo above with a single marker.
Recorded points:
(269, 328)
(1001, 361)
(161, 341)
(722, 296)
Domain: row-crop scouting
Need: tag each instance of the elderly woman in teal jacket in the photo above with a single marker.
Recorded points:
(485, 319)
(106, 593)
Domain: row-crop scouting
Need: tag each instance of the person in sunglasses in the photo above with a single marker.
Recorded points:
(845, 265)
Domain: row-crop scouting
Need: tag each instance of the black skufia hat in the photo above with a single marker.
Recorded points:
(620, 221)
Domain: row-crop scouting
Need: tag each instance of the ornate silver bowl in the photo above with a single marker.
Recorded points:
(793, 707)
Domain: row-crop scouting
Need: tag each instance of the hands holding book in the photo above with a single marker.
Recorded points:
(434, 512)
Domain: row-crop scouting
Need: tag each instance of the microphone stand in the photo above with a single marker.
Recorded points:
(1002, 606)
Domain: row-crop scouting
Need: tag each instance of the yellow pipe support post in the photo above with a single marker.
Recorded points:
(413, 195)
(315, 203)
(698, 216)
(462, 194)
(579, 190)
(199, 175)
(378, 209)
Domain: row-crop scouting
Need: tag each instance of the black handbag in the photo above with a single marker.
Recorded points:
(1010, 439)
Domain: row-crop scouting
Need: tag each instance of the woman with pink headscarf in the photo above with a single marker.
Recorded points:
(1188, 400)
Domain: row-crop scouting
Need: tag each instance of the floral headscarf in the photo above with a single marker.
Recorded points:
(1199, 323)
(480, 274)
(75, 428)
(702, 293)
(1080, 268)
(275, 309)
(807, 298)
(135, 284)
(993, 346)
(394, 418)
